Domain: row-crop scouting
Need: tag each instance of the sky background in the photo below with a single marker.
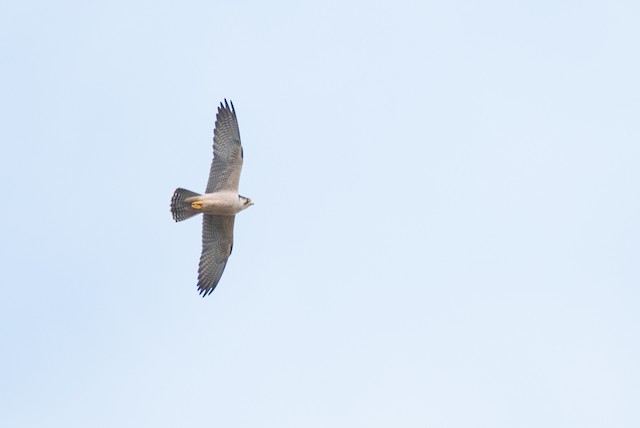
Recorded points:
(446, 230)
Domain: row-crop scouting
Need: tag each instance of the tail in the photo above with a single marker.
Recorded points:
(180, 209)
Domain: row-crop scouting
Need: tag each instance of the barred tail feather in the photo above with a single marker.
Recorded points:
(180, 209)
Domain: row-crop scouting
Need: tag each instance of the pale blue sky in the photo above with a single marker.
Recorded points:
(445, 233)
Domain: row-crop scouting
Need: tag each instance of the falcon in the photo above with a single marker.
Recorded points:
(220, 202)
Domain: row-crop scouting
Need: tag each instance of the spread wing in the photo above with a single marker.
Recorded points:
(227, 152)
(217, 243)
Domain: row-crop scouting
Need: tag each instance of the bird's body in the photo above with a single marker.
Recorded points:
(220, 203)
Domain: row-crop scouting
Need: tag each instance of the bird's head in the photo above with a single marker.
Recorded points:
(246, 202)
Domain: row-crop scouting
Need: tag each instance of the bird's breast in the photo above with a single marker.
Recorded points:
(222, 203)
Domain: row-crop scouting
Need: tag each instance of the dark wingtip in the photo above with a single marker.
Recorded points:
(224, 112)
(203, 290)
(225, 107)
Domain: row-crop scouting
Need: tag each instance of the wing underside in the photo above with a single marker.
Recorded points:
(227, 151)
(217, 242)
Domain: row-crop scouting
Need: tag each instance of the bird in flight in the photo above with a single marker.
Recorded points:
(220, 202)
